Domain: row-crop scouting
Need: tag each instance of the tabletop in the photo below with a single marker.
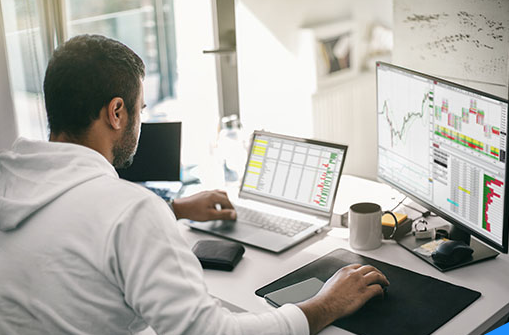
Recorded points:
(259, 267)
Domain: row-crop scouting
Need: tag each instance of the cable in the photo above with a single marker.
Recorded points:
(412, 208)
(424, 214)
(399, 203)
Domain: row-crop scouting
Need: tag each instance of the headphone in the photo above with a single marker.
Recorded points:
(421, 231)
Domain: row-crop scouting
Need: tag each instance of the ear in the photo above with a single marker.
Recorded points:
(116, 113)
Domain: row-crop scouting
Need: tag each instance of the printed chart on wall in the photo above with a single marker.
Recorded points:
(404, 108)
(466, 41)
(296, 172)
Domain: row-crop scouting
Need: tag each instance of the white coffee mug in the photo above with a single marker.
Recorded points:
(365, 224)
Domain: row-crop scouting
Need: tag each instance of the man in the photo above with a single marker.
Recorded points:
(84, 252)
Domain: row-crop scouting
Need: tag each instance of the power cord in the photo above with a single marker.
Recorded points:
(416, 220)
(424, 214)
(423, 232)
(399, 203)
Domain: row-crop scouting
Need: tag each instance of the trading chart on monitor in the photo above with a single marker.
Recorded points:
(297, 172)
(445, 145)
(405, 104)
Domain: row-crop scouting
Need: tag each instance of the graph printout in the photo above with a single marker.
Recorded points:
(445, 145)
(297, 172)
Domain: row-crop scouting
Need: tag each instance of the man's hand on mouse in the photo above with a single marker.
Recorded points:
(343, 294)
(204, 206)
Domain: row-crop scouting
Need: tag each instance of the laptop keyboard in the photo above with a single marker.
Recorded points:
(273, 223)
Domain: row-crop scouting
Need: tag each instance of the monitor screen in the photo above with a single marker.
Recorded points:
(445, 146)
(297, 171)
(158, 155)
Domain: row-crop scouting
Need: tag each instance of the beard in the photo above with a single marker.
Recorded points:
(125, 148)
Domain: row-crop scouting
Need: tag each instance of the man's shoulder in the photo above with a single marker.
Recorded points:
(122, 190)
(113, 200)
(114, 184)
(130, 205)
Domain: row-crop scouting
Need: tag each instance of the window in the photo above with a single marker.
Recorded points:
(27, 63)
(146, 26)
(32, 31)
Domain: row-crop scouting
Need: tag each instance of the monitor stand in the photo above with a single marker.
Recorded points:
(481, 252)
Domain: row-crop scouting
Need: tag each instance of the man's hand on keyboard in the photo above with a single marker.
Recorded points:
(204, 206)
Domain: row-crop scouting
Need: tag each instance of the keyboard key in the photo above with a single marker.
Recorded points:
(274, 223)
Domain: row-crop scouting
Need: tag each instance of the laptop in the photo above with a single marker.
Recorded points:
(287, 192)
(156, 164)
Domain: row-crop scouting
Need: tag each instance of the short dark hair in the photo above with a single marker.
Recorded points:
(82, 77)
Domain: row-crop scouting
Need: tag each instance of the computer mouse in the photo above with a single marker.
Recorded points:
(382, 296)
(451, 253)
(386, 291)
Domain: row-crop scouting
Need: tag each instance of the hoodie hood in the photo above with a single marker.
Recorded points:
(34, 173)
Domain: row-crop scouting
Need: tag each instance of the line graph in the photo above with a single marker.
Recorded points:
(396, 168)
(408, 119)
(405, 106)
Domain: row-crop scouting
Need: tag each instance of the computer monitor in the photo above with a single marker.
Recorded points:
(445, 146)
(158, 155)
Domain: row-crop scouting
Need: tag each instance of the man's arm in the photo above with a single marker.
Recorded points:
(162, 281)
(343, 294)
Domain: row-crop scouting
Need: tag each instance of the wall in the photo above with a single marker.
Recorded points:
(346, 114)
(465, 41)
(8, 129)
(273, 90)
(276, 89)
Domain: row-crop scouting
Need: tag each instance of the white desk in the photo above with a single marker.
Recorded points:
(258, 267)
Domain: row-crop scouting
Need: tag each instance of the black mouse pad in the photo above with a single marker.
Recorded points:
(415, 304)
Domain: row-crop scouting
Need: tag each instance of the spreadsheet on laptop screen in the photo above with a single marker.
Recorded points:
(296, 172)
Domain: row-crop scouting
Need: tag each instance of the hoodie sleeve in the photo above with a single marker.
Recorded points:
(162, 280)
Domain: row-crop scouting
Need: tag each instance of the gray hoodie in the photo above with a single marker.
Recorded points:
(35, 173)
(84, 252)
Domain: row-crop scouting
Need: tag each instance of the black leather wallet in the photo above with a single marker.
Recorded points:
(218, 255)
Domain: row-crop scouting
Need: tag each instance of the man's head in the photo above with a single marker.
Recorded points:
(93, 83)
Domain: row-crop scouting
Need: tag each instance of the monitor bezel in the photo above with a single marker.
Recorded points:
(505, 229)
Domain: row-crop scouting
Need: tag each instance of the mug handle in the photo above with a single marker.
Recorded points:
(395, 222)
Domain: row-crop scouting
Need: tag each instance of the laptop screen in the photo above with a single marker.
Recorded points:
(297, 171)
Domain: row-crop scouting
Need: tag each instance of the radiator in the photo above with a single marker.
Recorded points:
(346, 114)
